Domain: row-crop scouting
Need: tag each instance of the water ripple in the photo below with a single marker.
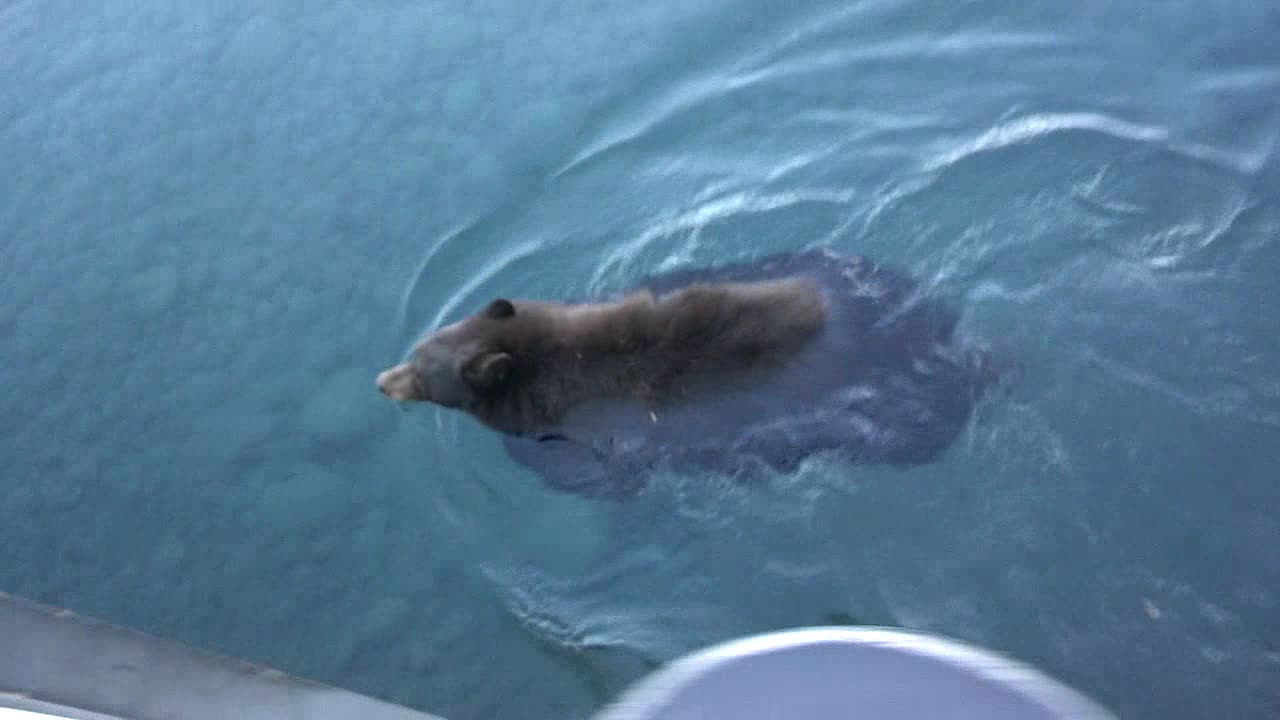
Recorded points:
(1231, 398)
(488, 271)
(623, 255)
(1033, 127)
(910, 48)
(419, 274)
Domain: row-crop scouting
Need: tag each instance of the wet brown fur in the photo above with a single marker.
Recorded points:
(642, 347)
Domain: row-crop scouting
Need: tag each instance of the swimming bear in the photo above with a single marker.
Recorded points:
(732, 369)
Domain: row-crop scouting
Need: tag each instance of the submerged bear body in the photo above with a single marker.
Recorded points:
(727, 370)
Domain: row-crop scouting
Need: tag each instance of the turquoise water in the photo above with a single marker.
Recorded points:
(219, 222)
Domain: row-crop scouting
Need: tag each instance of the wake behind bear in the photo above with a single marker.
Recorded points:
(731, 370)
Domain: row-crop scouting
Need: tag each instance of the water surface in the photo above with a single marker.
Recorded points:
(219, 221)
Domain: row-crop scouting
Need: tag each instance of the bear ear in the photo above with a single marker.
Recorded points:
(488, 370)
(499, 309)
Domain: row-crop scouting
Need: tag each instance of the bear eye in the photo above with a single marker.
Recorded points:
(500, 308)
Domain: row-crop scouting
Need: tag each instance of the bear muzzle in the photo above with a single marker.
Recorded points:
(400, 383)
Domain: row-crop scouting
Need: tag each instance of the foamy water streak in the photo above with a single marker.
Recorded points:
(1026, 129)
(1034, 127)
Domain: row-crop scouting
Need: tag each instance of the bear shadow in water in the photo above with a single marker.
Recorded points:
(885, 381)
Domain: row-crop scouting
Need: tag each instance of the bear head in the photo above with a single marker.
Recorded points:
(457, 366)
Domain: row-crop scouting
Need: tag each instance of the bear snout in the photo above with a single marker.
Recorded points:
(399, 383)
